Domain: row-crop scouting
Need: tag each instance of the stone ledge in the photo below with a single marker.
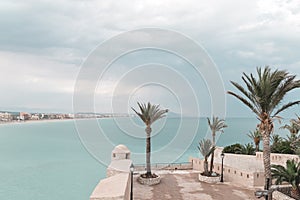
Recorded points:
(276, 195)
(149, 181)
(114, 187)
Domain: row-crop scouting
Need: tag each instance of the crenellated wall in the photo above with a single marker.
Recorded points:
(246, 170)
(278, 159)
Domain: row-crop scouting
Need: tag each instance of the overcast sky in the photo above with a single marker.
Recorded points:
(43, 45)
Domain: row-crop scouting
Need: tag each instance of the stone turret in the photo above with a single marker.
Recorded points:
(120, 152)
(120, 161)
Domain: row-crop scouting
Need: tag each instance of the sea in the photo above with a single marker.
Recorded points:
(66, 159)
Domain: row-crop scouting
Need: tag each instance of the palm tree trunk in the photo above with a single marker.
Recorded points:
(256, 141)
(148, 151)
(295, 193)
(266, 157)
(205, 166)
(213, 152)
(211, 161)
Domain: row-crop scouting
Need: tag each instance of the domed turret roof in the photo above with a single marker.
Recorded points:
(121, 148)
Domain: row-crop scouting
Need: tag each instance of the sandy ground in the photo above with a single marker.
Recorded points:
(177, 186)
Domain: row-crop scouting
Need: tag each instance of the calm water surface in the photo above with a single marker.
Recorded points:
(47, 160)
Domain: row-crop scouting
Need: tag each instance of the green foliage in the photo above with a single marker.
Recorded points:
(275, 138)
(216, 124)
(254, 134)
(247, 149)
(293, 127)
(232, 148)
(264, 94)
(290, 174)
(150, 113)
(290, 145)
(206, 148)
(283, 147)
(256, 137)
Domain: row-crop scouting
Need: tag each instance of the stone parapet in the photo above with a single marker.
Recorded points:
(113, 188)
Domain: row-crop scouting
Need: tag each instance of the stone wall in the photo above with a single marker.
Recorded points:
(113, 188)
(234, 175)
(280, 191)
(278, 159)
(117, 184)
(243, 169)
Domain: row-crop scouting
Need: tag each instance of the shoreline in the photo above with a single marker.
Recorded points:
(34, 121)
(50, 120)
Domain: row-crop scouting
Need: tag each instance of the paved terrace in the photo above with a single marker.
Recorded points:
(178, 185)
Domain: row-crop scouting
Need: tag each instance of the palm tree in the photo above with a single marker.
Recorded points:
(263, 95)
(149, 114)
(256, 137)
(289, 174)
(293, 127)
(206, 148)
(215, 125)
(275, 139)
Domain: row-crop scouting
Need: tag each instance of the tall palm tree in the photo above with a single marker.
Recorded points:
(215, 125)
(289, 174)
(256, 137)
(264, 95)
(206, 148)
(149, 114)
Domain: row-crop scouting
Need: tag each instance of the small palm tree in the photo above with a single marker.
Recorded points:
(275, 139)
(206, 148)
(149, 114)
(289, 174)
(293, 127)
(264, 95)
(215, 125)
(256, 137)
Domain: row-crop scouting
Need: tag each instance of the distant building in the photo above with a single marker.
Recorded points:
(25, 116)
(35, 117)
(6, 117)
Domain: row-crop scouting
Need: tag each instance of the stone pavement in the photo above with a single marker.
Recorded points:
(185, 185)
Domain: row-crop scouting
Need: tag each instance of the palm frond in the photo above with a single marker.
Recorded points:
(150, 113)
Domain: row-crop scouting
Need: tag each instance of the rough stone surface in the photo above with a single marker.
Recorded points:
(276, 195)
(149, 181)
(112, 188)
(207, 179)
(118, 166)
(184, 185)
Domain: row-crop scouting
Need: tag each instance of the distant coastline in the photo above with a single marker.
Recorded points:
(24, 117)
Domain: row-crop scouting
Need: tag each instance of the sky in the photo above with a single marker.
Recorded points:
(44, 46)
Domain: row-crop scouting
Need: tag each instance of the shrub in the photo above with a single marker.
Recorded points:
(232, 148)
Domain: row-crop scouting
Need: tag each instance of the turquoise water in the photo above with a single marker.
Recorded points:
(47, 160)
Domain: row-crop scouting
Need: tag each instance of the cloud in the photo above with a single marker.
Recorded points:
(43, 43)
(29, 81)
